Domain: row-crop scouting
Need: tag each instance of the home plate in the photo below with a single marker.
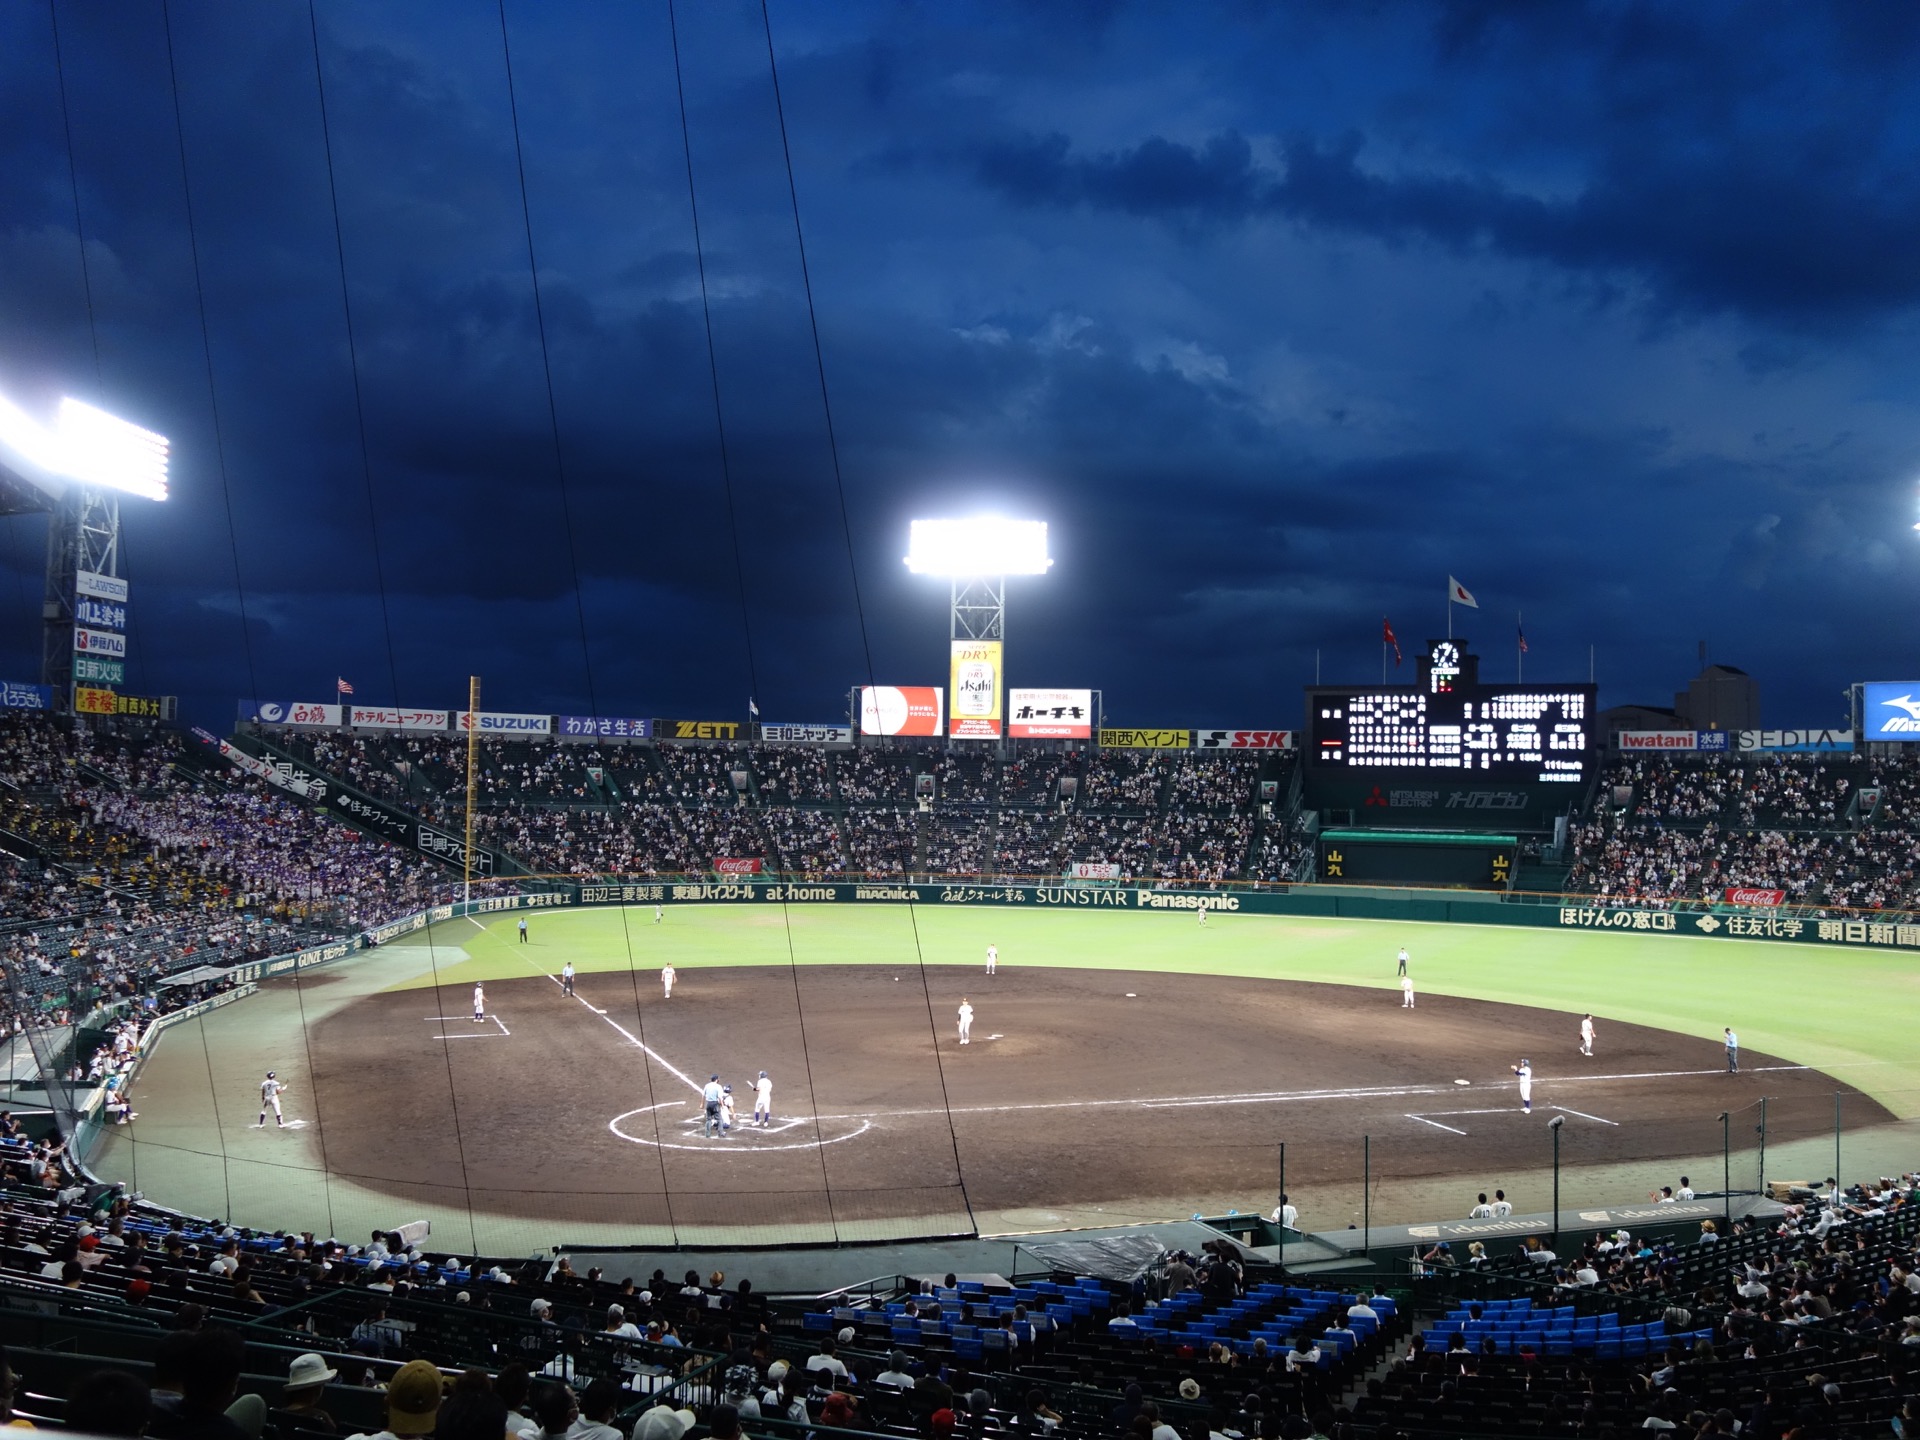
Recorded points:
(996, 1036)
(1132, 996)
(1463, 1082)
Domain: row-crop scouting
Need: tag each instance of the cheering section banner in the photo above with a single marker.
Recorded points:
(975, 677)
(369, 717)
(100, 587)
(807, 734)
(1050, 714)
(1146, 739)
(901, 709)
(292, 712)
(15, 695)
(283, 775)
(727, 730)
(1243, 739)
(602, 727)
(500, 722)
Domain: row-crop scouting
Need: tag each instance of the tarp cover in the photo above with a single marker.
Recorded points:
(1109, 1257)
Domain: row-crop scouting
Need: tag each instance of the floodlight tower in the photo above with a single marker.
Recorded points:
(75, 470)
(976, 556)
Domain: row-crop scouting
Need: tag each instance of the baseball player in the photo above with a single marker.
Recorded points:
(666, 982)
(711, 1096)
(1733, 1052)
(966, 1020)
(523, 930)
(1403, 959)
(479, 1002)
(726, 1109)
(1502, 1207)
(270, 1089)
(1201, 908)
(763, 1101)
(1525, 1071)
(1586, 1036)
(1406, 992)
(566, 978)
(993, 958)
(656, 914)
(1481, 1211)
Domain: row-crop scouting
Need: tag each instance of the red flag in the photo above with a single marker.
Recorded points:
(1387, 637)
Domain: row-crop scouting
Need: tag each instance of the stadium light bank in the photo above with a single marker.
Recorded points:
(976, 556)
(86, 446)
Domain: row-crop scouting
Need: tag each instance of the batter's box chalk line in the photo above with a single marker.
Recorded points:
(746, 1138)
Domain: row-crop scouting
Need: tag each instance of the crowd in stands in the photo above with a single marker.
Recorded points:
(1689, 828)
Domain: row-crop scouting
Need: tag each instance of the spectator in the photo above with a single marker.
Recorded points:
(413, 1401)
(109, 1402)
(300, 1398)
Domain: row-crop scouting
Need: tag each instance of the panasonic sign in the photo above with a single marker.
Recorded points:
(1890, 710)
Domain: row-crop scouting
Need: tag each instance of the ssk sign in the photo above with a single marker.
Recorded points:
(1753, 895)
(736, 865)
(1244, 739)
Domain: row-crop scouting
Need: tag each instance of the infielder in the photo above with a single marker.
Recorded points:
(966, 1020)
(270, 1089)
(566, 978)
(1586, 1036)
(1525, 1071)
(1403, 959)
(666, 982)
(993, 958)
(763, 1101)
(1406, 992)
(479, 1002)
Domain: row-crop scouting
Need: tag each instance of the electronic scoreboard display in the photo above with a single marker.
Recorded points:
(1448, 728)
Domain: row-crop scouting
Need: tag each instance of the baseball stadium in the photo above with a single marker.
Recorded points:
(1442, 1056)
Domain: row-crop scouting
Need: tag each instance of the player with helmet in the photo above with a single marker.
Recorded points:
(270, 1089)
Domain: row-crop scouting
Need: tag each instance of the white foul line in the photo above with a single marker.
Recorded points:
(636, 1042)
(1435, 1123)
(1584, 1116)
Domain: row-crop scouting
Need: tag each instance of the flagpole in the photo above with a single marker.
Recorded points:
(1383, 660)
(1449, 609)
(1519, 649)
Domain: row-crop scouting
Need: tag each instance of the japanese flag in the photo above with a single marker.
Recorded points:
(1459, 594)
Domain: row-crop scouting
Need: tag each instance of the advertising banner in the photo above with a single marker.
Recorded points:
(99, 672)
(1050, 714)
(146, 707)
(429, 840)
(1093, 870)
(1146, 739)
(292, 712)
(1243, 739)
(1795, 741)
(99, 642)
(88, 700)
(901, 709)
(975, 677)
(602, 727)
(736, 864)
(100, 587)
(500, 722)
(16, 696)
(724, 730)
(369, 717)
(807, 734)
(1754, 895)
(1657, 739)
(100, 614)
(285, 776)
(1890, 711)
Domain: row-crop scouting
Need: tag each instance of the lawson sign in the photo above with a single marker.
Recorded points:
(1890, 710)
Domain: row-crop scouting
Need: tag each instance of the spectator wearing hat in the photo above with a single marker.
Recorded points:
(736, 1392)
(413, 1402)
(300, 1397)
(619, 1326)
(838, 1410)
(663, 1422)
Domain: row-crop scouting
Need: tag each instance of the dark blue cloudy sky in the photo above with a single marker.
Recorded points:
(1279, 315)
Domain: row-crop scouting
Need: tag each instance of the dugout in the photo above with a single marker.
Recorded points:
(1416, 857)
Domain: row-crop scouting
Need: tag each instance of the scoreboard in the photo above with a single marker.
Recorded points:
(1513, 734)
(1448, 752)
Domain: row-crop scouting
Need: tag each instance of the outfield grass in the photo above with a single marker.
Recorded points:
(1842, 1010)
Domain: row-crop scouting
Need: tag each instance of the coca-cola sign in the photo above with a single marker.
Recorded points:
(736, 865)
(1754, 895)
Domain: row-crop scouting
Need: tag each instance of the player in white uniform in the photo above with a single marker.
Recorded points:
(726, 1110)
(656, 914)
(479, 1002)
(763, 1101)
(666, 982)
(270, 1089)
(1202, 908)
(993, 958)
(1502, 1207)
(1586, 1036)
(1406, 992)
(966, 1020)
(1525, 1071)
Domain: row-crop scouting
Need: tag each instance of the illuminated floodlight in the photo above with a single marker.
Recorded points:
(983, 545)
(90, 446)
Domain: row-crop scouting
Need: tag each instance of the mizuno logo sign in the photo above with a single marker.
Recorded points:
(1906, 703)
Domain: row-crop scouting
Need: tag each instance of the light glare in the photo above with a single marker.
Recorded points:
(90, 446)
(983, 545)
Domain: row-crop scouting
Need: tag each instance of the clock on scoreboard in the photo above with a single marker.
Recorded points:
(1449, 726)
